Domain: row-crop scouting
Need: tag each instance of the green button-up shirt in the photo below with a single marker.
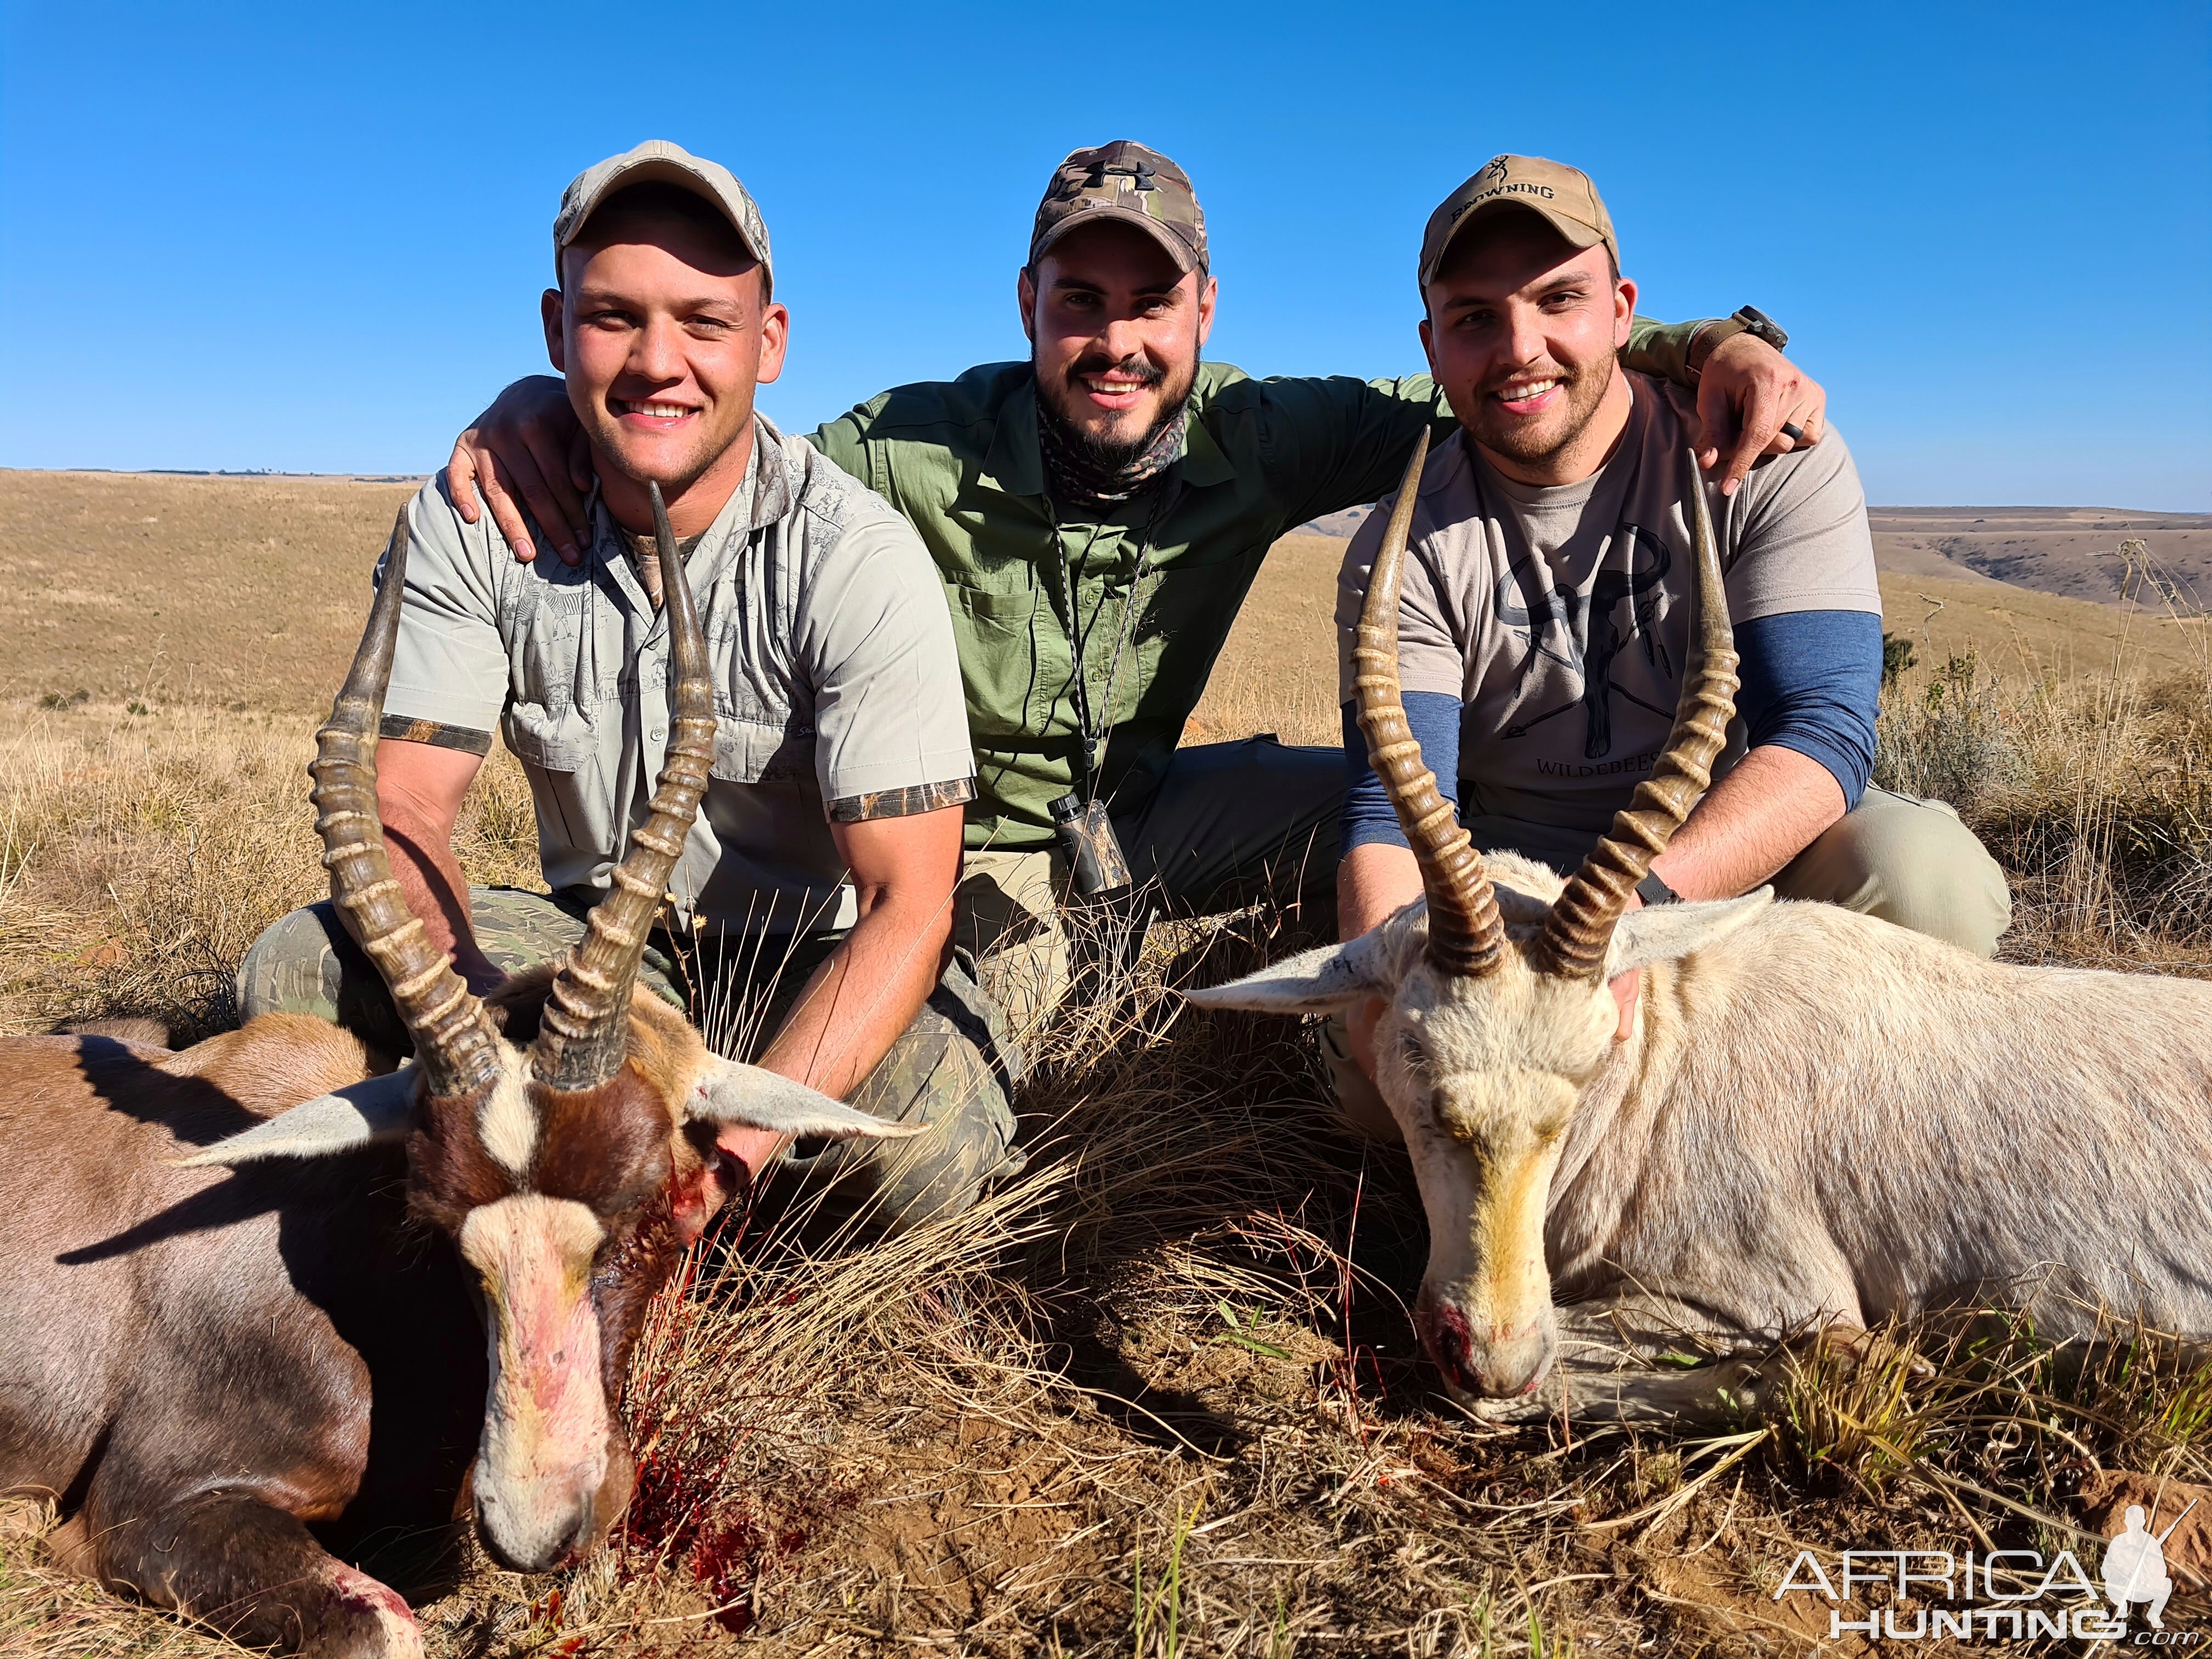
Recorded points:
(959, 459)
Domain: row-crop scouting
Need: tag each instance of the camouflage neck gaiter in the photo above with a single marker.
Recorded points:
(1077, 476)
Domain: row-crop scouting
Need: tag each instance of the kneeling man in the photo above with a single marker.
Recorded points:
(1544, 615)
(818, 881)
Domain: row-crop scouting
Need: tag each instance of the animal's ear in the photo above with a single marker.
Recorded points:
(1316, 982)
(757, 1099)
(1660, 932)
(367, 1114)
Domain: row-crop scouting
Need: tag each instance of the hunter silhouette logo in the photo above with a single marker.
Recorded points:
(1998, 1595)
(2134, 1566)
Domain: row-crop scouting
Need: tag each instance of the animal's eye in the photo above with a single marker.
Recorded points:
(1415, 1052)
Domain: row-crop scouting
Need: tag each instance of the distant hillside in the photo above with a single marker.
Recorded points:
(2072, 551)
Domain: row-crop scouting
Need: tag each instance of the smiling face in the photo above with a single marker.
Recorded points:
(1522, 334)
(1115, 332)
(663, 330)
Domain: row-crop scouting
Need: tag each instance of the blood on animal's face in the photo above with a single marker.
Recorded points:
(565, 1208)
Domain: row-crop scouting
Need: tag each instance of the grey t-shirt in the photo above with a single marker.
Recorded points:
(837, 693)
(1560, 617)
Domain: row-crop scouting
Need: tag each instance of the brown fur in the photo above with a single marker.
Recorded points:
(166, 1329)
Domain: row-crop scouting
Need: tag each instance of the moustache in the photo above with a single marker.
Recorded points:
(1138, 367)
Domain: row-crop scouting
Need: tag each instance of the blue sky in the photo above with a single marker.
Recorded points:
(312, 238)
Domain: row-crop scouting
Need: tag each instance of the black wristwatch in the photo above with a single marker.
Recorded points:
(1747, 319)
(1652, 889)
(1758, 324)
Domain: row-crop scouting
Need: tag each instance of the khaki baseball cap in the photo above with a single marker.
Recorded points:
(1133, 184)
(1563, 197)
(658, 161)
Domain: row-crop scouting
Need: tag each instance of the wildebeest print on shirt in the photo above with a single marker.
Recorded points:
(1583, 630)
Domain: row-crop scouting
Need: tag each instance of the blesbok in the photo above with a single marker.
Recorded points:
(1820, 1120)
(257, 1304)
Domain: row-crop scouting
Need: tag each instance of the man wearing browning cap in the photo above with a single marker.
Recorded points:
(1097, 514)
(1544, 616)
(813, 898)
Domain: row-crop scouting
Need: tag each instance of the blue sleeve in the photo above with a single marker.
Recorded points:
(1368, 815)
(1812, 682)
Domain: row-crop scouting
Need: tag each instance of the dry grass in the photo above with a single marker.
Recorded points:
(1159, 1395)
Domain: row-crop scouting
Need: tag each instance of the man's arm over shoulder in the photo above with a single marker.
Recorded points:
(891, 713)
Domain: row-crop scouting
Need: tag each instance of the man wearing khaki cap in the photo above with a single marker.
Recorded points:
(1544, 616)
(818, 880)
(1097, 514)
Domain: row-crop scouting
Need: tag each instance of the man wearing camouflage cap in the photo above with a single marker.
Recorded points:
(814, 893)
(1544, 615)
(1097, 514)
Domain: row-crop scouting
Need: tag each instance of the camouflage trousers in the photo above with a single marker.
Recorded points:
(954, 1067)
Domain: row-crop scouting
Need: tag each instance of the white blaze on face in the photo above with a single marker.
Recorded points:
(542, 1460)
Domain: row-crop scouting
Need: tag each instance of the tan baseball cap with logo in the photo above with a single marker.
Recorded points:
(1563, 197)
(658, 161)
(1124, 182)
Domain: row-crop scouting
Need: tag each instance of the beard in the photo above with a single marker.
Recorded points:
(1537, 440)
(1108, 449)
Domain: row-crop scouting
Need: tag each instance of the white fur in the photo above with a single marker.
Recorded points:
(506, 1123)
(544, 1457)
(1819, 1117)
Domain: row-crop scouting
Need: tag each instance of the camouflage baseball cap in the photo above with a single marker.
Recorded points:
(1137, 186)
(658, 161)
(1562, 197)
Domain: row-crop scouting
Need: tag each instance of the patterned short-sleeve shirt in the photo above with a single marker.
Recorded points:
(837, 693)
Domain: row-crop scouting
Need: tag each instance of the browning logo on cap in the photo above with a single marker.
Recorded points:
(1133, 184)
(1563, 197)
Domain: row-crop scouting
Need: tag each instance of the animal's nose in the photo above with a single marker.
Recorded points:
(556, 1543)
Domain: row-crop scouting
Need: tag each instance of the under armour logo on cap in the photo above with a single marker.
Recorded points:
(1142, 171)
(1135, 184)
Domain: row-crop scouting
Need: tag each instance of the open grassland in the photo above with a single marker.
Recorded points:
(1159, 1396)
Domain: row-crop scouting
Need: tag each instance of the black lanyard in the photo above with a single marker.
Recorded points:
(1089, 730)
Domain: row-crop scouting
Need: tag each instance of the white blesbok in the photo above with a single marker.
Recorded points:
(1820, 1121)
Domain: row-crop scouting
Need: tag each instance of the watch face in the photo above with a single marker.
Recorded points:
(1757, 322)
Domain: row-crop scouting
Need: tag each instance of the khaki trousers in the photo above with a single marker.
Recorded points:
(1230, 824)
(1896, 857)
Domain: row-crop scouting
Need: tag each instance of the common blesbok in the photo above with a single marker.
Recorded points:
(259, 1304)
(1818, 1120)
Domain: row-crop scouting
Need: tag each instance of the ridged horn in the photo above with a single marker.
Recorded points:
(1579, 929)
(1466, 936)
(454, 1043)
(584, 1033)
